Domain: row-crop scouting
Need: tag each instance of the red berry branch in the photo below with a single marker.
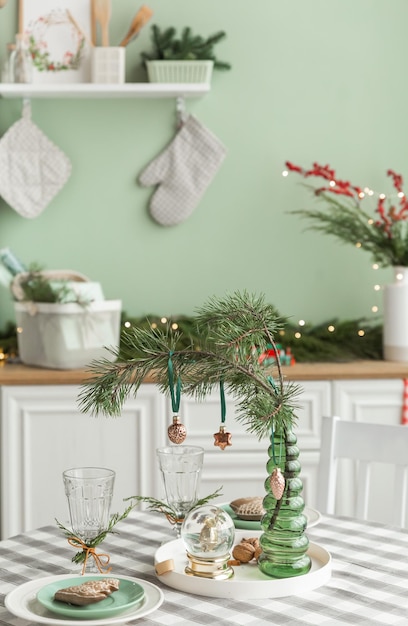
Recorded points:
(383, 234)
(345, 188)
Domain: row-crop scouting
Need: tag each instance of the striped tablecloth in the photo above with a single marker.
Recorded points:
(369, 583)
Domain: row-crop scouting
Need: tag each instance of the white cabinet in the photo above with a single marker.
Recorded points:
(378, 401)
(43, 432)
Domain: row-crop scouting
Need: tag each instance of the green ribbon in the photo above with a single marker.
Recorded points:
(273, 385)
(273, 448)
(223, 406)
(175, 395)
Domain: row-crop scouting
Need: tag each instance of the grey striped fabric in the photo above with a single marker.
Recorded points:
(369, 583)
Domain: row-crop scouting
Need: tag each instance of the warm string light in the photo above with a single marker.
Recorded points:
(153, 325)
(330, 329)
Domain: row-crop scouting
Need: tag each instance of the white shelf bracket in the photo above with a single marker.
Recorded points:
(181, 111)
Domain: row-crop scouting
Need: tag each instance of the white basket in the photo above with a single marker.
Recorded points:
(179, 71)
(67, 336)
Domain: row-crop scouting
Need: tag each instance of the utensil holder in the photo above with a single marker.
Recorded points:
(108, 64)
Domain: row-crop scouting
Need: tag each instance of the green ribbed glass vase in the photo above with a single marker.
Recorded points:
(283, 541)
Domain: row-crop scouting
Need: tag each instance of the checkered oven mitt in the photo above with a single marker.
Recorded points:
(182, 172)
(32, 169)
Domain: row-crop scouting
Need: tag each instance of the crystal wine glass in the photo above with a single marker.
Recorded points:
(89, 491)
(181, 471)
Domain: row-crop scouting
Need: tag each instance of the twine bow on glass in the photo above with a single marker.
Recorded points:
(101, 559)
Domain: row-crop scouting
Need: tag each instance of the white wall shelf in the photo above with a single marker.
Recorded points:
(94, 90)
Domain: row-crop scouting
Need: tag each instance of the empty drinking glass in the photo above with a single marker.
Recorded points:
(89, 491)
(181, 470)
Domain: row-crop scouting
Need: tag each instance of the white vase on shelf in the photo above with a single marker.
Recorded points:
(395, 330)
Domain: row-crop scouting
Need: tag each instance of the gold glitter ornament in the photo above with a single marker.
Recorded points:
(176, 431)
(277, 482)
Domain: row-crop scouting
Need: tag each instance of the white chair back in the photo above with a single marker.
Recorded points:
(365, 444)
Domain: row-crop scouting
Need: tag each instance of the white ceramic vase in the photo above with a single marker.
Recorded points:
(395, 331)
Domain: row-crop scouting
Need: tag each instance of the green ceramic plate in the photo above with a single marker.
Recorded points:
(313, 518)
(128, 594)
(241, 523)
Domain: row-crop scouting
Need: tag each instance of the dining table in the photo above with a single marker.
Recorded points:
(367, 582)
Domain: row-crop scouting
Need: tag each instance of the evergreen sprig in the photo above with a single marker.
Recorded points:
(80, 556)
(167, 46)
(231, 333)
(157, 506)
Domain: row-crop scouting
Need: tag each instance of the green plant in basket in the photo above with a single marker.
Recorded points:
(167, 46)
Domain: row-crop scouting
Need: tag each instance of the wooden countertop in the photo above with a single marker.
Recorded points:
(13, 374)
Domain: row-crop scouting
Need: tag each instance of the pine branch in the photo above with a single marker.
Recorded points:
(232, 333)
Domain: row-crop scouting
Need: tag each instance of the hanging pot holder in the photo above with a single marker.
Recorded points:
(32, 169)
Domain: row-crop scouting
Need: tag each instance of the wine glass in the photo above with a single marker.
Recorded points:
(89, 491)
(181, 471)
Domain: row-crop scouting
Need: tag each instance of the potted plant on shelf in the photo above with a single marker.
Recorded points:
(232, 334)
(188, 58)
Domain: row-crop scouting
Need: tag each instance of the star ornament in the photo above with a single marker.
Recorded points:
(222, 439)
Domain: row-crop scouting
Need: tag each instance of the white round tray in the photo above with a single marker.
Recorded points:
(248, 581)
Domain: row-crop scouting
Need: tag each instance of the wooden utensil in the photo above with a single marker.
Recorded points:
(77, 27)
(93, 23)
(141, 18)
(102, 13)
(20, 17)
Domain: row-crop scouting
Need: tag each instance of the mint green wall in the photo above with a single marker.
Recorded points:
(312, 80)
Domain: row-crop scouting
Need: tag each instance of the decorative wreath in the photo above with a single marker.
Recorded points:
(37, 32)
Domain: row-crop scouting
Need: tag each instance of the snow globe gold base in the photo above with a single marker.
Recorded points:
(215, 568)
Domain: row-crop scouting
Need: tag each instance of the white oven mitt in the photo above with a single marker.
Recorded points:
(32, 169)
(182, 172)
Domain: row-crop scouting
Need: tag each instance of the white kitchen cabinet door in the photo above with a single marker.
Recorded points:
(43, 432)
(378, 401)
